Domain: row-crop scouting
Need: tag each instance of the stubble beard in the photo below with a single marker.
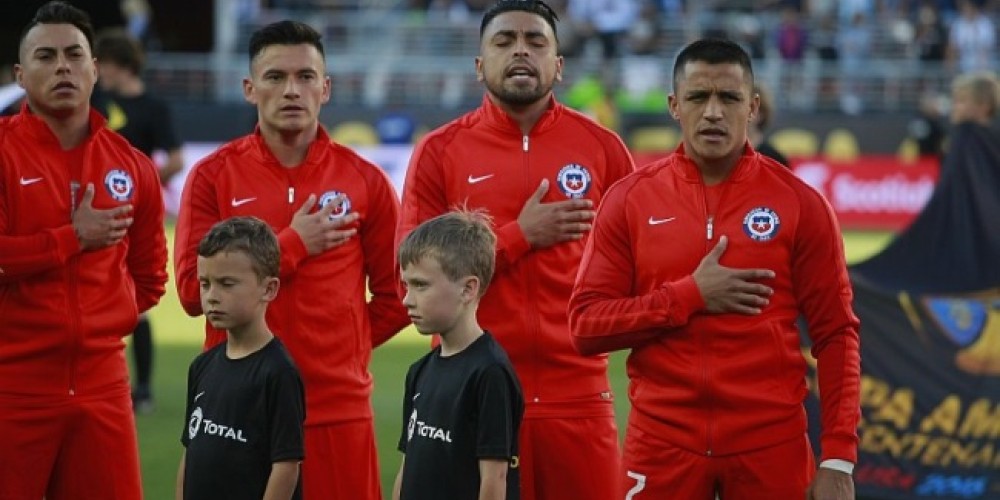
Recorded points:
(518, 97)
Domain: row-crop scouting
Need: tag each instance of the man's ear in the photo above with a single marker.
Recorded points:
(248, 91)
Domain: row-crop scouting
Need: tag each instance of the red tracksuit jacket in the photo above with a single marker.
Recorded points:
(484, 160)
(721, 383)
(321, 312)
(63, 311)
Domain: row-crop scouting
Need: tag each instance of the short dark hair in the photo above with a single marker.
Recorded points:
(712, 51)
(59, 12)
(116, 46)
(284, 33)
(461, 241)
(248, 235)
(537, 7)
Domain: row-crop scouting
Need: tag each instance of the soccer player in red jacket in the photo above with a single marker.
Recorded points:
(538, 169)
(701, 263)
(82, 253)
(335, 215)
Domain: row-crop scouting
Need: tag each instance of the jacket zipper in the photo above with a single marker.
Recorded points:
(706, 339)
(529, 282)
(709, 234)
(74, 306)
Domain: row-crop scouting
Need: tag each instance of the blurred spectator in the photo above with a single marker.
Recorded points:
(137, 15)
(927, 128)
(608, 20)
(972, 41)
(792, 38)
(975, 98)
(758, 127)
(930, 39)
(848, 10)
(145, 121)
(824, 38)
(644, 35)
(747, 30)
(455, 11)
(854, 43)
(671, 9)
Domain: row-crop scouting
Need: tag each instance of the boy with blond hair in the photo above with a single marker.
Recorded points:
(463, 405)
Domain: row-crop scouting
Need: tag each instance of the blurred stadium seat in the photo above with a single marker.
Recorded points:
(653, 139)
(841, 146)
(355, 134)
(795, 143)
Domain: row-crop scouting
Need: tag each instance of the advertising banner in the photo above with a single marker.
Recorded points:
(872, 192)
(930, 395)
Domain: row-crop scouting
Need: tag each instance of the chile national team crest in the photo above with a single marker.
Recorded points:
(574, 180)
(761, 224)
(341, 210)
(119, 184)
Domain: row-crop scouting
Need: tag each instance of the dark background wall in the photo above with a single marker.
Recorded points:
(195, 15)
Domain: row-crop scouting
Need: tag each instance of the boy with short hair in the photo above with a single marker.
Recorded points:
(245, 402)
(463, 405)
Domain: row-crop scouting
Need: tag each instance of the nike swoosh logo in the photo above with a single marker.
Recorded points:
(28, 182)
(200, 394)
(654, 222)
(244, 201)
(415, 396)
(476, 180)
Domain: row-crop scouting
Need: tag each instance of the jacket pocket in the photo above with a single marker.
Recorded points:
(788, 376)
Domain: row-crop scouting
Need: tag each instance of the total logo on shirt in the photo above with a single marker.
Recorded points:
(197, 423)
(419, 428)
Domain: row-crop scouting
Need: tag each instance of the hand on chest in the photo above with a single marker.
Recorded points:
(672, 240)
(504, 187)
(279, 202)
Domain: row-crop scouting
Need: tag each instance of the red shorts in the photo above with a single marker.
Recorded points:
(77, 448)
(654, 469)
(341, 462)
(574, 458)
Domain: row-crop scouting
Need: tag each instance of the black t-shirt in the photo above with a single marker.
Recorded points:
(457, 410)
(242, 416)
(143, 120)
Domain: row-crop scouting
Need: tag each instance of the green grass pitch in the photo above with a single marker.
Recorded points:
(178, 339)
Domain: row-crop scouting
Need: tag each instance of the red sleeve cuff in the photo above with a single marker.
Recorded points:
(837, 447)
(687, 295)
(293, 250)
(67, 244)
(512, 243)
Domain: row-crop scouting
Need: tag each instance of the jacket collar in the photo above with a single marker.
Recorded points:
(36, 127)
(745, 168)
(496, 117)
(314, 155)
